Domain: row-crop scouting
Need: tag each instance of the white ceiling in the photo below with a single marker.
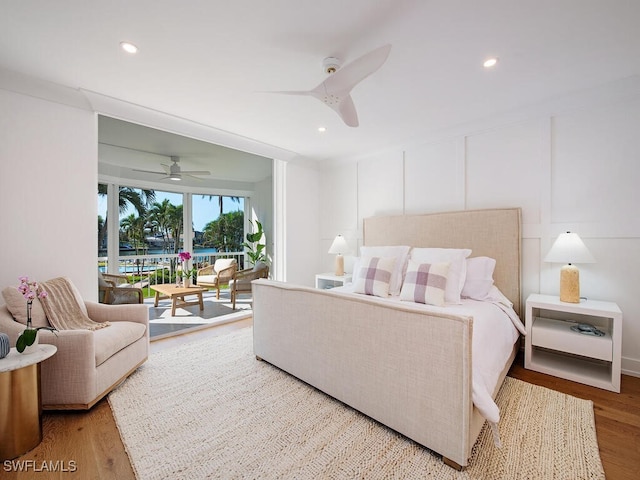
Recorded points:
(210, 61)
(124, 147)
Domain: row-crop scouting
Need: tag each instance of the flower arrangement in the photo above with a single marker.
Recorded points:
(184, 257)
(29, 291)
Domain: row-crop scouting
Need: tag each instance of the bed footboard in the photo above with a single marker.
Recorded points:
(402, 367)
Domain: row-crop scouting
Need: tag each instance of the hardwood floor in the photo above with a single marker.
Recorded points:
(86, 445)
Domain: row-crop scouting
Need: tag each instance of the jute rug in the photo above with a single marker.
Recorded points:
(209, 409)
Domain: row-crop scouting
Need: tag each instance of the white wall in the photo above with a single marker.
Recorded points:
(302, 228)
(570, 165)
(48, 178)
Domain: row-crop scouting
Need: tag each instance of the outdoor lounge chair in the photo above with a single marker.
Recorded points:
(116, 290)
(218, 274)
(241, 282)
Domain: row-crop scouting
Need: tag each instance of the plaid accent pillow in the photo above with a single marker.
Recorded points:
(425, 283)
(374, 276)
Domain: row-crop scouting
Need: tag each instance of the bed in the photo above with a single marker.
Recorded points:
(409, 366)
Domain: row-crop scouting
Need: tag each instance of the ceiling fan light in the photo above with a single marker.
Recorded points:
(128, 47)
(176, 177)
(490, 62)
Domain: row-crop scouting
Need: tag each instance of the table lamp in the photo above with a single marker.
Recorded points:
(569, 248)
(339, 246)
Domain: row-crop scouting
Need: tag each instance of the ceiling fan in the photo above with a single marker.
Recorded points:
(174, 172)
(335, 90)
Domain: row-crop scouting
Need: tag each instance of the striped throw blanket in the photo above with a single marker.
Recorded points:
(62, 308)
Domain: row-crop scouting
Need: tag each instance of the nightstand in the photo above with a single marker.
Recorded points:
(330, 280)
(552, 347)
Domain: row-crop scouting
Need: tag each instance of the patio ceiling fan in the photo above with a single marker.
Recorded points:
(174, 172)
(335, 90)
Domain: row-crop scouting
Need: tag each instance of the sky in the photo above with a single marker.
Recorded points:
(204, 210)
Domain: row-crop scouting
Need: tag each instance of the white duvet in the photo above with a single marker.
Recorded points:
(496, 328)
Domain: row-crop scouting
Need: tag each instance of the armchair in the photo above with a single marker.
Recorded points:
(88, 363)
(115, 289)
(220, 273)
(241, 282)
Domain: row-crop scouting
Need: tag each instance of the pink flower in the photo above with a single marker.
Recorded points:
(184, 256)
(28, 289)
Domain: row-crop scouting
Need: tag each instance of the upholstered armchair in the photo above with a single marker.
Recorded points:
(115, 290)
(88, 363)
(241, 282)
(218, 274)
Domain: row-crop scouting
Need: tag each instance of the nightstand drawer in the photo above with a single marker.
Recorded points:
(557, 335)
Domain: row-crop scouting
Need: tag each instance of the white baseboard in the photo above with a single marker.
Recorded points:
(631, 366)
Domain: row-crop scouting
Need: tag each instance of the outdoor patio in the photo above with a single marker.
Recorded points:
(216, 312)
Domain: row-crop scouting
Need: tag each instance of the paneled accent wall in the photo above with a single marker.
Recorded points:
(574, 168)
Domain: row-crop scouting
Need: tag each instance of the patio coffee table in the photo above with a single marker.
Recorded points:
(177, 294)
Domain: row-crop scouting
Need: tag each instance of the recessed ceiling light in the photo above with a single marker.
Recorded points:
(322, 129)
(490, 62)
(128, 47)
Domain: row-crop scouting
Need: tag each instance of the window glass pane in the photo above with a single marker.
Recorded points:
(218, 223)
(102, 220)
(163, 223)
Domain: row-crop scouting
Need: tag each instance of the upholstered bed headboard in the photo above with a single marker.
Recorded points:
(493, 233)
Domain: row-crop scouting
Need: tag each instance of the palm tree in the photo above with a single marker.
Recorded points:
(159, 216)
(139, 199)
(176, 224)
(133, 227)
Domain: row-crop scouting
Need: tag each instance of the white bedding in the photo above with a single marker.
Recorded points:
(496, 328)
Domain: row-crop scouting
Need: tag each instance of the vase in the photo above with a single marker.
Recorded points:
(187, 282)
(31, 348)
(5, 346)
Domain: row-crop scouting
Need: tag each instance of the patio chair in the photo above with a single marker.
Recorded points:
(116, 290)
(241, 282)
(218, 274)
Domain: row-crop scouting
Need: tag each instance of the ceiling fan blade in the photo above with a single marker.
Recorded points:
(192, 176)
(195, 172)
(353, 73)
(347, 111)
(148, 171)
(290, 92)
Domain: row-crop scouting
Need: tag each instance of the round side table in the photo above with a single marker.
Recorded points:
(20, 401)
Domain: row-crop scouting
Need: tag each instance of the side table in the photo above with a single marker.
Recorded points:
(330, 280)
(552, 347)
(20, 401)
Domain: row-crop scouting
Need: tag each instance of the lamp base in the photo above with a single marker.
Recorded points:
(339, 265)
(570, 284)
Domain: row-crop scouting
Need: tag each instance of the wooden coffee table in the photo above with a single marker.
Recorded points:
(177, 294)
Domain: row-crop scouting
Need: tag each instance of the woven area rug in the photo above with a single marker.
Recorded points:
(209, 409)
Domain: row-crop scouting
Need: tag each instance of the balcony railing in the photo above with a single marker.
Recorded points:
(145, 270)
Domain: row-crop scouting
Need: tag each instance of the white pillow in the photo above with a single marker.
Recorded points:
(425, 283)
(374, 276)
(479, 277)
(457, 270)
(400, 252)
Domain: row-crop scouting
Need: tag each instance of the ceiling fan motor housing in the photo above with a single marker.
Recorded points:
(331, 65)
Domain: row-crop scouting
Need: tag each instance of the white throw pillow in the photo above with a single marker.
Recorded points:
(425, 283)
(457, 268)
(374, 276)
(479, 277)
(400, 252)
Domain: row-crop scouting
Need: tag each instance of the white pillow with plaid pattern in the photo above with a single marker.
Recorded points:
(425, 283)
(374, 276)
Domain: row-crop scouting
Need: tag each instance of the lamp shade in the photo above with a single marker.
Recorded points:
(339, 245)
(569, 248)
